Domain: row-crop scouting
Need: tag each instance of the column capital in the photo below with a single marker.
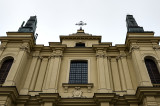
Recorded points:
(156, 47)
(36, 54)
(101, 53)
(25, 47)
(56, 53)
(3, 46)
(134, 47)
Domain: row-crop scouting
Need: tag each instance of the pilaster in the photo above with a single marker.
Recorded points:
(121, 72)
(30, 74)
(3, 47)
(41, 75)
(103, 72)
(14, 74)
(104, 104)
(149, 101)
(115, 73)
(53, 71)
(126, 73)
(139, 67)
(35, 74)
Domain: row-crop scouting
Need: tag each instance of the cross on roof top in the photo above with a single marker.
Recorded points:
(81, 23)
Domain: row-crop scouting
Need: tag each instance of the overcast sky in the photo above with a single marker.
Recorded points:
(58, 17)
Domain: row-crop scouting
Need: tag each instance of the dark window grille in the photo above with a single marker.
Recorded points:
(78, 72)
(6, 65)
(80, 44)
(153, 71)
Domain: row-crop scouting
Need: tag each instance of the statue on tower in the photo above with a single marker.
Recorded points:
(132, 25)
(30, 26)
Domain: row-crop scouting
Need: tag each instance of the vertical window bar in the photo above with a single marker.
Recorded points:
(5, 69)
(78, 72)
(153, 71)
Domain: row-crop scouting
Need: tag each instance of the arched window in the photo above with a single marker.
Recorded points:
(153, 71)
(78, 72)
(5, 67)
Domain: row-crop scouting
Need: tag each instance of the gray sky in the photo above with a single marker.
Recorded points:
(58, 17)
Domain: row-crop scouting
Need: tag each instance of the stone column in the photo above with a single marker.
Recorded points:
(115, 73)
(17, 66)
(35, 74)
(54, 71)
(49, 73)
(139, 66)
(48, 104)
(20, 104)
(121, 72)
(104, 104)
(30, 74)
(150, 101)
(133, 104)
(102, 88)
(41, 74)
(2, 47)
(107, 74)
(127, 74)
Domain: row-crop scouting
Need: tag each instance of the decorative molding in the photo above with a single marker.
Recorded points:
(135, 47)
(156, 47)
(25, 47)
(3, 46)
(77, 92)
(66, 86)
(121, 56)
(57, 53)
(101, 54)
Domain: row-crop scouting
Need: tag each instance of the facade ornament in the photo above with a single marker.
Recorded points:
(77, 92)
(25, 47)
(3, 46)
(40, 57)
(57, 53)
(100, 54)
(121, 56)
(133, 48)
(156, 47)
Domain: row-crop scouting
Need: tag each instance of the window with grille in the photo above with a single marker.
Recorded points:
(153, 71)
(6, 65)
(78, 72)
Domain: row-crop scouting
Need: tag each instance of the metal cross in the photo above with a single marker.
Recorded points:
(81, 23)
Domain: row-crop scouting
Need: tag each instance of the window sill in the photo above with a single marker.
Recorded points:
(67, 85)
(156, 85)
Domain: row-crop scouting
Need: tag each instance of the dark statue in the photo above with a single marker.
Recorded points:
(132, 25)
(30, 26)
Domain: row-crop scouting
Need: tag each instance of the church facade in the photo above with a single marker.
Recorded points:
(80, 70)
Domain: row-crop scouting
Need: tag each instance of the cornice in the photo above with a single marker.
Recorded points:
(10, 92)
(154, 39)
(113, 98)
(80, 38)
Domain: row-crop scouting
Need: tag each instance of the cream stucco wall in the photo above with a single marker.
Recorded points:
(118, 70)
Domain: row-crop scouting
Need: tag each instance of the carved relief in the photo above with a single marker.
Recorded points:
(156, 47)
(57, 53)
(25, 47)
(136, 47)
(3, 46)
(77, 92)
(100, 53)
